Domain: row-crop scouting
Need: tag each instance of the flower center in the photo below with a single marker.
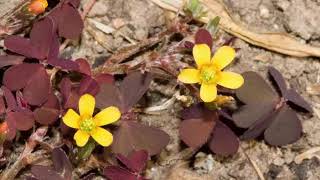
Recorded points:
(208, 74)
(87, 125)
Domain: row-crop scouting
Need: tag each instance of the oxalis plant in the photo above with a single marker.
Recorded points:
(96, 111)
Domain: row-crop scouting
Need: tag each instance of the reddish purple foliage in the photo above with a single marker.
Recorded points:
(88, 85)
(8, 60)
(69, 93)
(134, 165)
(28, 96)
(23, 120)
(85, 69)
(203, 37)
(130, 91)
(91, 83)
(68, 20)
(289, 94)
(104, 78)
(32, 78)
(188, 44)
(38, 46)
(9, 98)
(84, 66)
(45, 115)
(267, 113)
(119, 173)
(202, 126)
(45, 173)
(133, 136)
(42, 45)
(62, 167)
(34, 103)
(196, 132)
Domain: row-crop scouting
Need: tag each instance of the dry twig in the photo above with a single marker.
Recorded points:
(125, 53)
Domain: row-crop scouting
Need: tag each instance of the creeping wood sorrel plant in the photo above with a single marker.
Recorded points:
(39, 87)
(267, 113)
(209, 70)
(203, 123)
(37, 101)
(264, 111)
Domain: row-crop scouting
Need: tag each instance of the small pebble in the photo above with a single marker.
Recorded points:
(264, 11)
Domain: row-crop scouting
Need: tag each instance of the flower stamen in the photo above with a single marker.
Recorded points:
(87, 125)
(208, 74)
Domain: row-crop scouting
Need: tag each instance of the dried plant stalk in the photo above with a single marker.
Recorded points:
(307, 155)
(278, 42)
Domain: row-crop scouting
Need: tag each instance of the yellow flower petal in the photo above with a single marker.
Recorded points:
(81, 138)
(223, 57)
(208, 92)
(86, 105)
(189, 76)
(230, 80)
(71, 119)
(201, 54)
(102, 136)
(107, 116)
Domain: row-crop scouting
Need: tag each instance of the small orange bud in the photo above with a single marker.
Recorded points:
(4, 128)
(37, 6)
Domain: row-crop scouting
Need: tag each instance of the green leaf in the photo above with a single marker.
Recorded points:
(213, 25)
(193, 5)
(195, 8)
(211, 106)
(85, 151)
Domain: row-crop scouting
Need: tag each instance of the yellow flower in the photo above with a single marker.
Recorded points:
(209, 71)
(91, 126)
(37, 6)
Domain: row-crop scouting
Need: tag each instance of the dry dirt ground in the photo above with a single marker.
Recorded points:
(137, 19)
